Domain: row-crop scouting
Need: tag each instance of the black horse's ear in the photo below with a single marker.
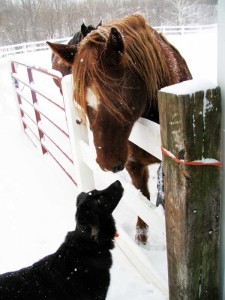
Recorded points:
(114, 47)
(83, 29)
(65, 52)
(99, 24)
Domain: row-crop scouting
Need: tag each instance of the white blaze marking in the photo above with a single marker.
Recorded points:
(92, 100)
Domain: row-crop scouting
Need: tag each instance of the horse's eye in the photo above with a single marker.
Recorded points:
(90, 128)
(78, 121)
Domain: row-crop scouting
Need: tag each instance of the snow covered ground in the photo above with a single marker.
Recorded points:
(37, 201)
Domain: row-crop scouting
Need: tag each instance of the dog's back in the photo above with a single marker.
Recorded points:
(73, 272)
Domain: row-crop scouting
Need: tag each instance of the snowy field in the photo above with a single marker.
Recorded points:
(37, 201)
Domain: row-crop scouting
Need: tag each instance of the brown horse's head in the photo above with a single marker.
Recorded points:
(118, 69)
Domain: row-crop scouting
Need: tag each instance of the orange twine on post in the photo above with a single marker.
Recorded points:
(205, 162)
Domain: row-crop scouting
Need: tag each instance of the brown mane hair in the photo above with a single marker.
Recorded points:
(143, 56)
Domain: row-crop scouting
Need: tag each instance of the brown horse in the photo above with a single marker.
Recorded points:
(118, 70)
(58, 64)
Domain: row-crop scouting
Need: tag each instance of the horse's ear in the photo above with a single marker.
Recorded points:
(65, 52)
(84, 29)
(99, 24)
(114, 47)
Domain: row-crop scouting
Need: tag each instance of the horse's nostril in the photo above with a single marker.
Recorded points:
(118, 168)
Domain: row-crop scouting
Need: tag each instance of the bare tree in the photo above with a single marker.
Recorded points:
(181, 12)
(29, 20)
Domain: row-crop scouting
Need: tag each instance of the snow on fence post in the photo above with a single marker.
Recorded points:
(190, 130)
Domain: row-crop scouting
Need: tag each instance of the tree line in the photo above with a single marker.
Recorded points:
(34, 20)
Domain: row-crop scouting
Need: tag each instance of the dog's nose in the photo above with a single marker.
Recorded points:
(118, 168)
(117, 183)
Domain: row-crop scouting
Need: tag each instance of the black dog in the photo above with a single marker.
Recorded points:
(79, 270)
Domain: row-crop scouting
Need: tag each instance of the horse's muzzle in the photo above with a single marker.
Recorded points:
(118, 168)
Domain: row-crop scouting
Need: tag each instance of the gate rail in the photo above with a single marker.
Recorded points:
(38, 113)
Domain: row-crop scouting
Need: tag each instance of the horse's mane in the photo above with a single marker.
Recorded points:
(143, 57)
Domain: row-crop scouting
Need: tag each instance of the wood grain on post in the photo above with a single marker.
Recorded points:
(190, 130)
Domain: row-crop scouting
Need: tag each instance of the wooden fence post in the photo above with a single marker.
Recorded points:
(190, 130)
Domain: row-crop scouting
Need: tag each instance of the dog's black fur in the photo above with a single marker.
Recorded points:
(79, 269)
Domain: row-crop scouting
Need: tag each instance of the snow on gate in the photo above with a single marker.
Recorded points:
(50, 122)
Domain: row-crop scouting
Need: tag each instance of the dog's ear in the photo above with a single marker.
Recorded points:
(80, 197)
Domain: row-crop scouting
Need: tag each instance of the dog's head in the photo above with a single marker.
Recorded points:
(94, 211)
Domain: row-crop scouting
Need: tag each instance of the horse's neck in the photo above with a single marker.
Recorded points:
(76, 39)
(151, 113)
